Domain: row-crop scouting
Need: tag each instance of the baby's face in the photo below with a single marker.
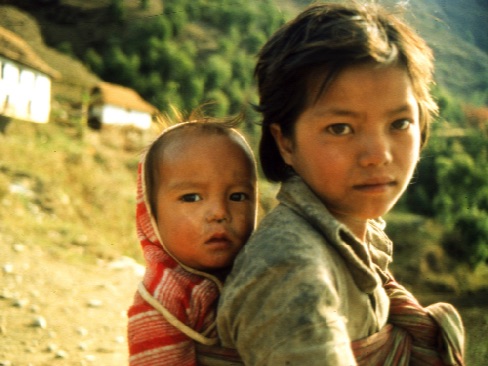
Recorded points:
(206, 200)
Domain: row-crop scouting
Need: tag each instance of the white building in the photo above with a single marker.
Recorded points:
(113, 104)
(25, 80)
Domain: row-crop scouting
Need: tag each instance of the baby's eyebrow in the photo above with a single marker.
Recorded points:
(185, 185)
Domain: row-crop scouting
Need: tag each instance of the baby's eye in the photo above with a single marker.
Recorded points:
(238, 196)
(191, 197)
(339, 129)
(401, 124)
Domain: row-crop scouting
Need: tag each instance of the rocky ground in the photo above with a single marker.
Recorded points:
(58, 313)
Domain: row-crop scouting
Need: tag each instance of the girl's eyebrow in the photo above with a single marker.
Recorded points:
(335, 111)
(401, 109)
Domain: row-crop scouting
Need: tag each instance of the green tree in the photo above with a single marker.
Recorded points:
(94, 61)
(468, 240)
(119, 67)
(117, 10)
(143, 4)
(217, 72)
(219, 103)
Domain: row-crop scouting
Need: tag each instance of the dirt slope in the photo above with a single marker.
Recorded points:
(55, 313)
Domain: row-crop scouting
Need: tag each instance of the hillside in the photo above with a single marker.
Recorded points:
(76, 79)
(68, 193)
(455, 30)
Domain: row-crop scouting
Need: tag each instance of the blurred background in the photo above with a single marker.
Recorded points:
(86, 84)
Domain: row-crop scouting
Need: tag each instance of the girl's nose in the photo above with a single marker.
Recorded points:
(375, 151)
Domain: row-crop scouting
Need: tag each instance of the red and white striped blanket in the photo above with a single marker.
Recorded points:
(174, 307)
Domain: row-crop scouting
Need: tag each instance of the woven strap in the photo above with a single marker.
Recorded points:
(416, 335)
(217, 356)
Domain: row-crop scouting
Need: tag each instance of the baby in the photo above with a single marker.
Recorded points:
(196, 207)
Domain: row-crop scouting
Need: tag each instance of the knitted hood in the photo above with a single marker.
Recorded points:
(153, 248)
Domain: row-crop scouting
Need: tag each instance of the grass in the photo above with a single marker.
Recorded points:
(72, 190)
(73, 194)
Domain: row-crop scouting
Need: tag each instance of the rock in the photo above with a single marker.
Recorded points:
(51, 347)
(6, 295)
(35, 309)
(8, 268)
(90, 358)
(82, 331)
(20, 303)
(127, 263)
(39, 322)
(61, 354)
(19, 247)
(95, 303)
(35, 293)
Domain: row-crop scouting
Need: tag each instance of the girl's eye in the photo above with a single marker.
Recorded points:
(191, 197)
(339, 129)
(401, 124)
(238, 196)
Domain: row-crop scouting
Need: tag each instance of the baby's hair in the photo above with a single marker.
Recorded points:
(225, 126)
(321, 42)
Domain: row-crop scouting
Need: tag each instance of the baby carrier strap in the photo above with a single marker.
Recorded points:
(414, 335)
(217, 356)
(174, 321)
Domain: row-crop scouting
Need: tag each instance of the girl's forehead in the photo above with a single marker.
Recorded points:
(320, 80)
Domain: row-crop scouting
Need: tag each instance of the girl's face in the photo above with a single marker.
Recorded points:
(358, 145)
(205, 200)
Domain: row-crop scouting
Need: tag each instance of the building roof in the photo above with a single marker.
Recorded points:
(121, 96)
(16, 49)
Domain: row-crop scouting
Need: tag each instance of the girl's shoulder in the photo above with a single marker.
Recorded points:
(284, 238)
(286, 225)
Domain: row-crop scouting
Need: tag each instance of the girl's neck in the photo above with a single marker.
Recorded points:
(357, 226)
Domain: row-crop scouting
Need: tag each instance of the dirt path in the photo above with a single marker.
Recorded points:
(55, 313)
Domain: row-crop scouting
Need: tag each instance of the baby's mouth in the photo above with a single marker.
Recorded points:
(220, 238)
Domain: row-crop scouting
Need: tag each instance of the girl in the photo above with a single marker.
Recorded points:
(344, 94)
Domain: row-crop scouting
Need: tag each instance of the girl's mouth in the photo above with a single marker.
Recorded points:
(375, 187)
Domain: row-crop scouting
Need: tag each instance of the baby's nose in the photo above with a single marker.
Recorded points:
(218, 212)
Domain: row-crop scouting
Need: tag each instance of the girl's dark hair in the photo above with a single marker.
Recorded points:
(323, 40)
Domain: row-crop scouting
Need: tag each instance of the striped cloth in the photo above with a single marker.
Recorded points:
(187, 299)
(415, 335)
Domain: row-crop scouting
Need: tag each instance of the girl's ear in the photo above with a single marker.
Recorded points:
(285, 144)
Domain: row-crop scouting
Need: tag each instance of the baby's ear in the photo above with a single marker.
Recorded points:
(285, 144)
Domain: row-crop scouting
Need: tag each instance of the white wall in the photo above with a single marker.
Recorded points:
(114, 115)
(24, 93)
